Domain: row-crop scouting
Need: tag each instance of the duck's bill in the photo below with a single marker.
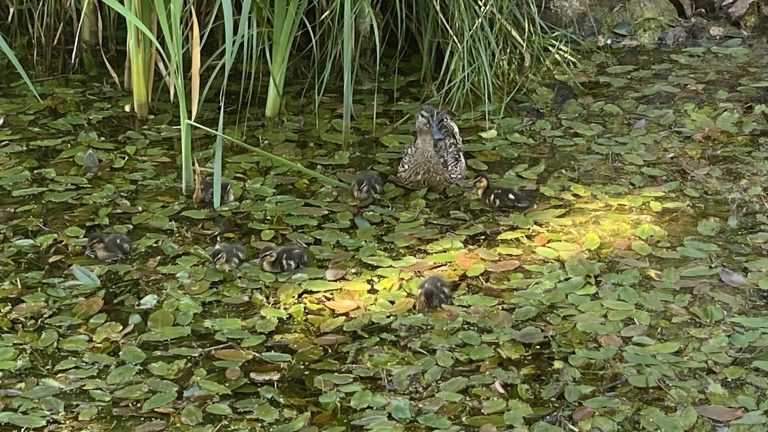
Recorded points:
(436, 134)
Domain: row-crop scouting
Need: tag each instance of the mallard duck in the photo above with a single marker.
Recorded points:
(498, 197)
(366, 184)
(434, 292)
(206, 189)
(228, 256)
(108, 247)
(435, 159)
(285, 259)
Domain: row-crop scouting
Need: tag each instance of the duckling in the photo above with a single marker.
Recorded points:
(498, 197)
(206, 187)
(228, 256)
(90, 162)
(434, 292)
(366, 184)
(108, 247)
(421, 167)
(285, 259)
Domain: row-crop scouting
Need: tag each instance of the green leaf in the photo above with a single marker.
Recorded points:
(85, 277)
(213, 387)
(158, 400)
(25, 421)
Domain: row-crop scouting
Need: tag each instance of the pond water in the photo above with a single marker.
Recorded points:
(630, 297)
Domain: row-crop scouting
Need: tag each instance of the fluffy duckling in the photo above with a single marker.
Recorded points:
(366, 184)
(498, 197)
(206, 189)
(108, 247)
(285, 259)
(228, 256)
(434, 292)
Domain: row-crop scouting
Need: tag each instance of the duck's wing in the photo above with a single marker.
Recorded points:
(450, 150)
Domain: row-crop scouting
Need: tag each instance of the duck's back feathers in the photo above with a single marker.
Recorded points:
(450, 150)
(421, 167)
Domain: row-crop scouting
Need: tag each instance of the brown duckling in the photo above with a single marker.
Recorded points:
(366, 184)
(108, 247)
(206, 189)
(228, 256)
(285, 259)
(434, 292)
(498, 197)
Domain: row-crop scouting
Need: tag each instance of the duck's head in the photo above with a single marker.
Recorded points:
(427, 121)
(268, 254)
(480, 183)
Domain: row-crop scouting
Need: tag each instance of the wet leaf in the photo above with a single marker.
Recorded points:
(502, 266)
(734, 279)
(233, 355)
(529, 335)
(719, 413)
(342, 306)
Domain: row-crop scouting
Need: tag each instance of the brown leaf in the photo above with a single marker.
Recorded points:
(501, 266)
(582, 413)
(488, 427)
(402, 305)
(719, 413)
(152, 426)
(335, 273)
(23, 310)
(331, 339)
(233, 373)
(233, 355)
(420, 267)
(88, 307)
(342, 306)
(541, 240)
(610, 340)
(501, 319)
(465, 259)
(676, 310)
(633, 330)
(622, 244)
(197, 195)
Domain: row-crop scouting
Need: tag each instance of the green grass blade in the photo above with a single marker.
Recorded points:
(12, 57)
(277, 159)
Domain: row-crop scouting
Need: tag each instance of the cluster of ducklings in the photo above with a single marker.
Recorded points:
(225, 256)
(434, 160)
(433, 291)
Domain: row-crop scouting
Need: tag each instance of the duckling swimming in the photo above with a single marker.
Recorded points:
(366, 184)
(498, 197)
(434, 292)
(206, 189)
(228, 256)
(90, 162)
(108, 247)
(285, 259)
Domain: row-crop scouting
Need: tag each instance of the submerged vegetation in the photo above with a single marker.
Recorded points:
(605, 270)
